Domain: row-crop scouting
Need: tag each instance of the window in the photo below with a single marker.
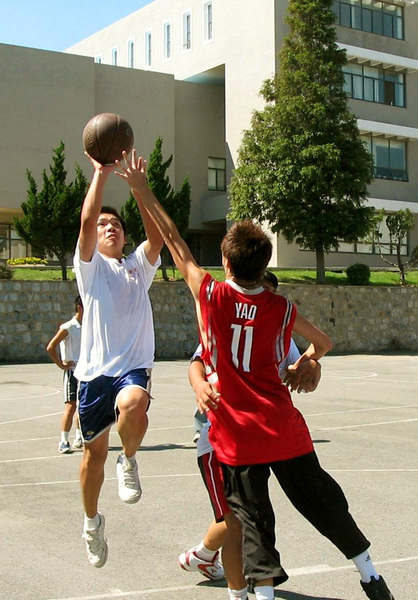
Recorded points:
(98, 59)
(11, 245)
(131, 54)
(387, 244)
(167, 40)
(217, 174)
(148, 49)
(207, 22)
(187, 31)
(374, 85)
(114, 56)
(373, 16)
(389, 158)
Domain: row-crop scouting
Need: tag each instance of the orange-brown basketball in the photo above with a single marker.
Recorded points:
(106, 136)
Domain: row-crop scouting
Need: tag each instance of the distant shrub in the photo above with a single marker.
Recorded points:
(6, 272)
(358, 274)
(27, 260)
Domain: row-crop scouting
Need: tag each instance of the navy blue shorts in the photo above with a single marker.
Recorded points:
(97, 400)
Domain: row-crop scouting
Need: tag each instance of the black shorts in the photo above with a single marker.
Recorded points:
(70, 384)
(312, 491)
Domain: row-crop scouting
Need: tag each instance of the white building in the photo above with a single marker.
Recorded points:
(228, 48)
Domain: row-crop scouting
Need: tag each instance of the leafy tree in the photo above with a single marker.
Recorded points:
(302, 166)
(399, 224)
(176, 203)
(51, 215)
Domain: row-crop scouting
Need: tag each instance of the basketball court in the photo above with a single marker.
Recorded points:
(364, 422)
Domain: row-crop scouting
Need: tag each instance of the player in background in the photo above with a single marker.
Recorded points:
(245, 333)
(64, 349)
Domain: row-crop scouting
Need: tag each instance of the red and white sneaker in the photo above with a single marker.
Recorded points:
(212, 569)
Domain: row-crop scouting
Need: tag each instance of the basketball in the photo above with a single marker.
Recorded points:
(106, 136)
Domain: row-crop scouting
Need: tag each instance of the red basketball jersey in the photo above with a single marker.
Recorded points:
(248, 334)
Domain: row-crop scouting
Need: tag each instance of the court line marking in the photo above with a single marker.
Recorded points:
(358, 410)
(363, 425)
(299, 572)
(30, 418)
(174, 475)
(32, 397)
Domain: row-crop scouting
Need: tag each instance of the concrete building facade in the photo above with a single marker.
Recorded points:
(191, 71)
(235, 45)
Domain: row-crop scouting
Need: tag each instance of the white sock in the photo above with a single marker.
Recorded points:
(78, 434)
(365, 567)
(264, 592)
(204, 553)
(238, 594)
(93, 523)
(64, 436)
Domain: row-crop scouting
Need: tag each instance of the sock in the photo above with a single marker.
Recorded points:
(204, 553)
(93, 523)
(238, 594)
(78, 434)
(365, 567)
(64, 436)
(264, 592)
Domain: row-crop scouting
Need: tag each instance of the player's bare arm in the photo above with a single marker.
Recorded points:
(133, 171)
(207, 396)
(91, 209)
(52, 350)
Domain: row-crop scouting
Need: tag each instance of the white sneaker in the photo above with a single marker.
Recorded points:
(129, 487)
(212, 569)
(96, 544)
(77, 444)
(64, 447)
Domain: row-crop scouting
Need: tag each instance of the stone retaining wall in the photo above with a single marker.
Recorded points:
(358, 319)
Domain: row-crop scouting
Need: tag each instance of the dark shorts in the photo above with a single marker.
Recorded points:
(311, 490)
(211, 471)
(70, 384)
(97, 407)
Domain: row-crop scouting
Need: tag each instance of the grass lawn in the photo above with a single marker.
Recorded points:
(377, 278)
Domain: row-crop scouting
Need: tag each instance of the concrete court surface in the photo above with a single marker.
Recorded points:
(363, 419)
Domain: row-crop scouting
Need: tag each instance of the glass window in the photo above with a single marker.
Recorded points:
(207, 21)
(114, 57)
(148, 49)
(389, 157)
(381, 18)
(131, 54)
(217, 174)
(167, 40)
(98, 59)
(187, 31)
(374, 85)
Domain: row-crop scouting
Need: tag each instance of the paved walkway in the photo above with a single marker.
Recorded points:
(364, 421)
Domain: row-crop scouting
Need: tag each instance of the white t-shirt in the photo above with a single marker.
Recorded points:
(118, 330)
(70, 346)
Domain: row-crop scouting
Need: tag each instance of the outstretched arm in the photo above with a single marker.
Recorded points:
(91, 209)
(133, 171)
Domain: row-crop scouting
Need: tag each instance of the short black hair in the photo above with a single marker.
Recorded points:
(110, 210)
(271, 279)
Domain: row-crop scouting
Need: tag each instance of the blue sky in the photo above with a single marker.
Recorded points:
(58, 24)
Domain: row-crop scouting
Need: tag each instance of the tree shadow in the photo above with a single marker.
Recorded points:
(156, 448)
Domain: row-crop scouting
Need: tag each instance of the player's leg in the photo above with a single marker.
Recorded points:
(70, 397)
(131, 405)
(91, 481)
(204, 557)
(319, 498)
(246, 489)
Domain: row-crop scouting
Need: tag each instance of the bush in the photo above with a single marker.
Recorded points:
(358, 274)
(27, 260)
(6, 272)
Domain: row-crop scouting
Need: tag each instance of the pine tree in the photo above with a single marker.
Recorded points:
(51, 215)
(302, 166)
(176, 203)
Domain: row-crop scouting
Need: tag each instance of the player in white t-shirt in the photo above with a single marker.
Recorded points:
(64, 349)
(117, 350)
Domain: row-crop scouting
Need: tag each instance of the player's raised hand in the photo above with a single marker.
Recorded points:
(303, 376)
